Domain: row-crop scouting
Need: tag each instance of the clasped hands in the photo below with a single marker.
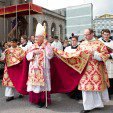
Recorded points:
(96, 55)
(37, 52)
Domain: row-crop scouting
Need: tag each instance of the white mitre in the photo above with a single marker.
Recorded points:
(39, 30)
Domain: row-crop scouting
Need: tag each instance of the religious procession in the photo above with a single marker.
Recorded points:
(38, 66)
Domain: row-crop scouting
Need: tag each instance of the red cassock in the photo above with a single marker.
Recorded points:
(63, 78)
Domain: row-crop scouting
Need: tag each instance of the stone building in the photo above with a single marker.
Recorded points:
(103, 22)
(54, 21)
(61, 22)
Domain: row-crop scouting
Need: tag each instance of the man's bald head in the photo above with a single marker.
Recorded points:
(89, 34)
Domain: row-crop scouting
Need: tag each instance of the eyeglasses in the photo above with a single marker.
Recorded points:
(87, 34)
(106, 34)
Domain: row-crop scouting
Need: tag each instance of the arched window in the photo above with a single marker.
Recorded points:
(22, 1)
(60, 31)
(53, 29)
(45, 24)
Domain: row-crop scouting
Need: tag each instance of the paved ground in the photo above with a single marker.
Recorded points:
(60, 104)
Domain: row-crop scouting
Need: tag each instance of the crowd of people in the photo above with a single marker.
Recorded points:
(96, 85)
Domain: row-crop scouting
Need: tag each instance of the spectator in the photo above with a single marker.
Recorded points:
(65, 43)
(109, 43)
(50, 39)
(24, 43)
(57, 44)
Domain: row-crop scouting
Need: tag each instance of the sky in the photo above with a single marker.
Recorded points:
(100, 7)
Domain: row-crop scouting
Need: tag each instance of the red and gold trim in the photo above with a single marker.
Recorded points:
(21, 9)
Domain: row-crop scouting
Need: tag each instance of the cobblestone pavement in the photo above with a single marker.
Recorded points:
(60, 104)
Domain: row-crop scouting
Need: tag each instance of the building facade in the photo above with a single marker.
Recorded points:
(79, 18)
(55, 22)
(103, 22)
(61, 22)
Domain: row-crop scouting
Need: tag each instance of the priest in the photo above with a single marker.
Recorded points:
(12, 57)
(38, 84)
(94, 82)
(109, 43)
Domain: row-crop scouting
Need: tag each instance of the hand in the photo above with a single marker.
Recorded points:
(7, 51)
(97, 56)
(92, 51)
(36, 52)
(49, 48)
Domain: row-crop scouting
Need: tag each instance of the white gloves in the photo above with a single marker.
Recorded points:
(96, 56)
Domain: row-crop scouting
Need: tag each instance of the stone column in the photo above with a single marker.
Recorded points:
(57, 28)
(49, 27)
